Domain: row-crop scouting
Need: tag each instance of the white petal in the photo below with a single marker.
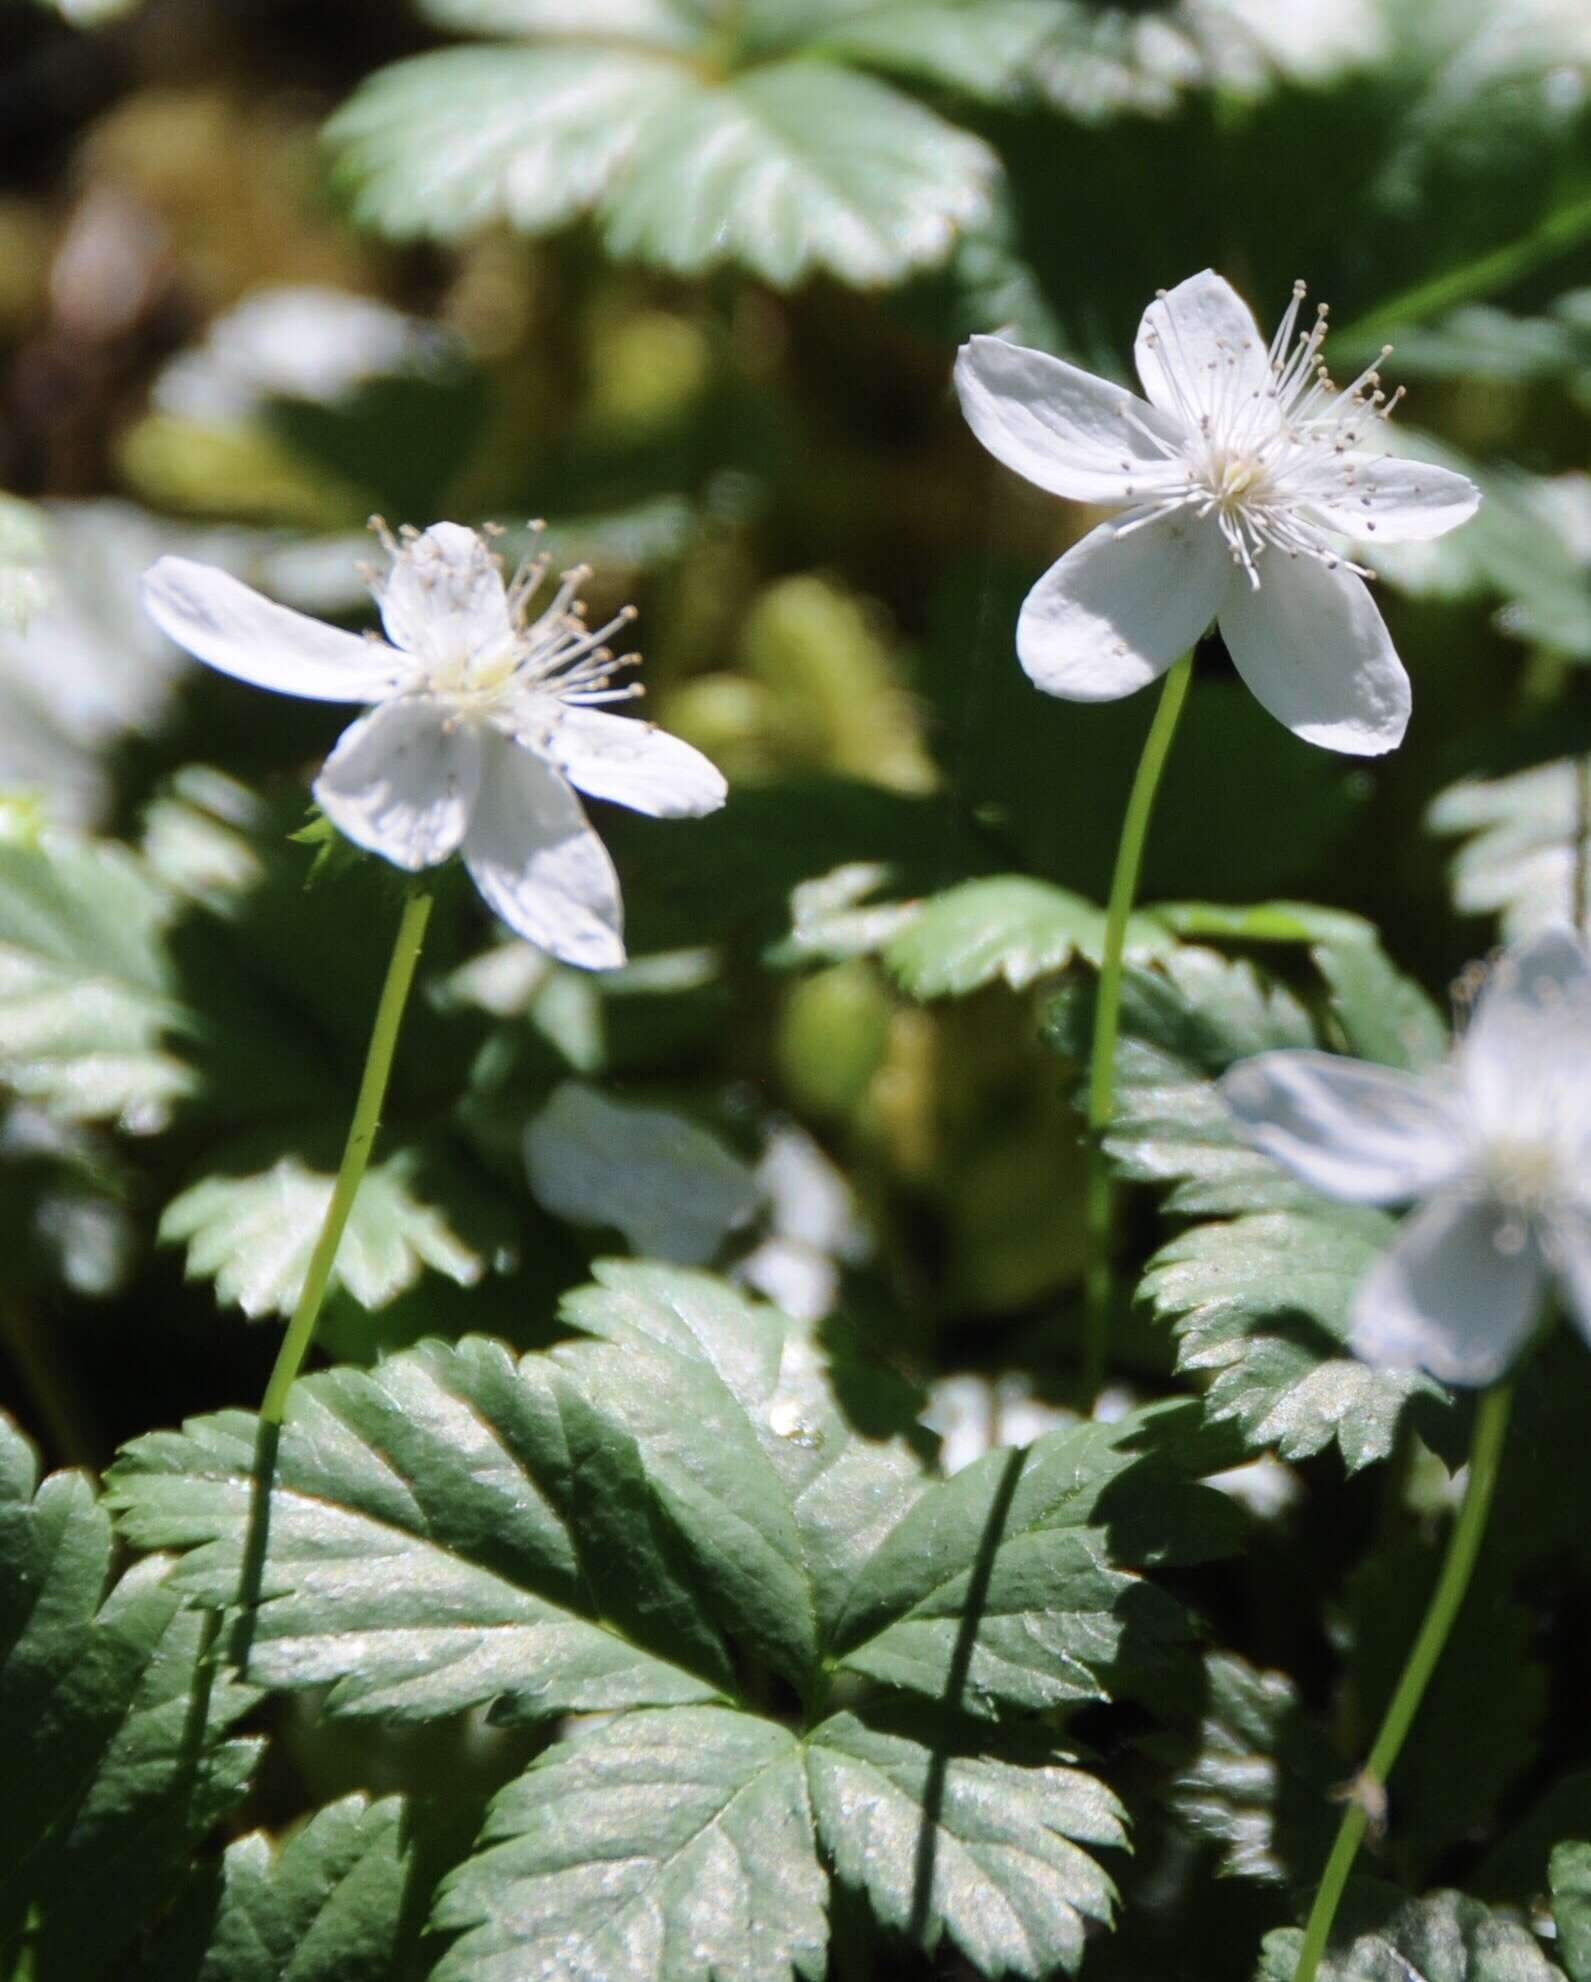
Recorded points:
(1314, 650)
(1199, 351)
(1061, 428)
(444, 595)
(402, 781)
(632, 763)
(1361, 1133)
(1527, 1052)
(1117, 610)
(1456, 1293)
(538, 863)
(1569, 1255)
(231, 627)
(1388, 499)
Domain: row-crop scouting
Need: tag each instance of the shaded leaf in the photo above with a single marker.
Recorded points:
(1009, 927)
(1259, 1307)
(324, 1905)
(665, 1847)
(952, 1838)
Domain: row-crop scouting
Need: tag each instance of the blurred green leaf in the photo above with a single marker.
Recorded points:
(1571, 1907)
(1009, 928)
(1441, 1938)
(1527, 840)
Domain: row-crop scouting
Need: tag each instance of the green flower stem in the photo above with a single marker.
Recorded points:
(1560, 230)
(1107, 1014)
(1485, 1456)
(356, 1153)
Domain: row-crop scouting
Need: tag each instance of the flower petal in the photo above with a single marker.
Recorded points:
(230, 626)
(402, 781)
(1528, 1046)
(538, 863)
(1314, 650)
(1199, 350)
(444, 595)
(1395, 500)
(632, 763)
(1119, 608)
(1061, 428)
(1361, 1133)
(1455, 1293)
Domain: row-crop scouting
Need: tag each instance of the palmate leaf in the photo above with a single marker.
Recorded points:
(952, 1834)
(1525, 839)
(1259, 1303)
(118, 1752)
(675, 1845)
(253, 1235)
(326, 1905)
(1444, 1937)
(790, 168)
(87, 1000)
(1008, 927)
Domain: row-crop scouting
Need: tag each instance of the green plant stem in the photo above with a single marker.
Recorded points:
(356, 1153)
(1107, 1014)
(1481, 277)
(1485, 1456)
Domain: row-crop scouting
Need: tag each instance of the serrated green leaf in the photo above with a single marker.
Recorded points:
(1259, 1776)
(86, 994)
(1259, 1307)
(1009, 927)
(1181, 1027)
(1444, 1937)
(1522, 837)
(445, 144)
(1570, 1875)
(1004, 1586)
(664, 1847)
(786, 169)
(1261, 922)
(797, 167)
(600, 1527)
(116, 1740)
(325, 1905)
(1381, 1014)
(253, 1235)
(983, 1842)
(979, 47)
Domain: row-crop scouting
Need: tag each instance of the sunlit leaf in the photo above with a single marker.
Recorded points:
(1527, 844)
(1011, 928)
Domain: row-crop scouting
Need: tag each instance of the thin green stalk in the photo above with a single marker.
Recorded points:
(1107, 1014)
(356, 1154)
(1485, 1457)
(1482, 276)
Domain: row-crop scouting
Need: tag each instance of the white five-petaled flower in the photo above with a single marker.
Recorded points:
(1495, 1146)
(1240, 475)
(484, 717)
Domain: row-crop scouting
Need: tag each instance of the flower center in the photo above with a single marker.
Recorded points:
(1524, 1173)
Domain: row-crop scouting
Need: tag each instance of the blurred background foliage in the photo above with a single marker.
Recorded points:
(686, 278)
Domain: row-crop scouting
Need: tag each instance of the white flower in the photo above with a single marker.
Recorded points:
(1495, 1146)
(483, 719)
(1240, 474)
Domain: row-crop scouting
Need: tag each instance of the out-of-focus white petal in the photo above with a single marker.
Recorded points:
(538, 863)
(1568, 1244)
(1199, 351)
(231, 627)
(1456, 1293)
(1388, 499)
(632, 763)
(1527, 1053)
(402, 781)
(1061, 428)
(1360, 1133)
(444, 598)
(1117, 610)
(1314, 650)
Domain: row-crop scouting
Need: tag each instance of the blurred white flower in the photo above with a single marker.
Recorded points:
(1240, 474)
(484, 720)
(293, 341)
(1496, 1146)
